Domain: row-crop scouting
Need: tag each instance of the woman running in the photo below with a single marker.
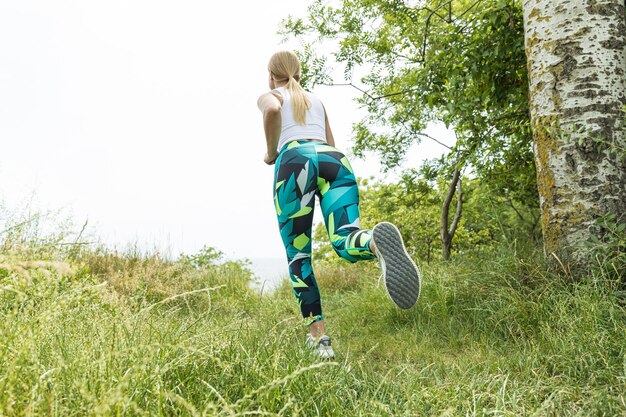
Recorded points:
(301, 145)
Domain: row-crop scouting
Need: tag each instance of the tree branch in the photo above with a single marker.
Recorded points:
(448, 234)
(522, 218)
(448, 199)
(433, 139)
(459, 206)
(371, 97)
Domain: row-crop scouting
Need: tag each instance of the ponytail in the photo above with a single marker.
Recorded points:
(299, 100)
(285, 65)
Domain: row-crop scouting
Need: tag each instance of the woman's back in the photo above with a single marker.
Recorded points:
(315, 124)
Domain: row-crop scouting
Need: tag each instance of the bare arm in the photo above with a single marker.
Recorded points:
(270, 105)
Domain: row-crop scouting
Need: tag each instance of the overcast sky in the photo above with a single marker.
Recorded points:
(141, 116)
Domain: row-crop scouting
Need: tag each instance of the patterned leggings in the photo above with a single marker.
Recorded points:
(303, 170)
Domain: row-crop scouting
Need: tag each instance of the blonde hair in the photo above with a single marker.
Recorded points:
(285, 66)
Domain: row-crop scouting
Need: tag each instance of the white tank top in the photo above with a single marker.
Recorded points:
(315, 126)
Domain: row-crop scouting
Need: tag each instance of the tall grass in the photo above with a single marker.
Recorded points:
(121, 334)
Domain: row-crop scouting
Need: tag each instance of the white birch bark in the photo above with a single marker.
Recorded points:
(576, 53)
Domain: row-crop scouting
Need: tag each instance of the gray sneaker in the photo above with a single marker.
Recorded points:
(402, 277)
(320, 346)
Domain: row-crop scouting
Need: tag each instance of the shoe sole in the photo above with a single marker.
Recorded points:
(402, 277)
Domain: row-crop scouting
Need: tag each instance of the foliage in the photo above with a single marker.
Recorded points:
(459, 62)
(204, 258)
(414, 204)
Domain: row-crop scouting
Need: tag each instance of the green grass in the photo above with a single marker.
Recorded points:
(115, 334)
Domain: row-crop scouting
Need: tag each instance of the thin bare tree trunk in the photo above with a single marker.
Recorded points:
(448, 233)
(577, 64)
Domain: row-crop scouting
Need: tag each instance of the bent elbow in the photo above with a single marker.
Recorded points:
(271, 110)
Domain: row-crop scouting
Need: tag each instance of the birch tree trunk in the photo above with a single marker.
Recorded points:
(576, 53)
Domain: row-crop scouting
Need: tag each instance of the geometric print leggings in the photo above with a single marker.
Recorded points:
(303, 170)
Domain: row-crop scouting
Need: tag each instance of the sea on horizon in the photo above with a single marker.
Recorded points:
(268, 272)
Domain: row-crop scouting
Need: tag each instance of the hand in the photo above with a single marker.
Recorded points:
(270, 159)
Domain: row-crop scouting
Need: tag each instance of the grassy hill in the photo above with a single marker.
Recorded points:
(102, 333)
